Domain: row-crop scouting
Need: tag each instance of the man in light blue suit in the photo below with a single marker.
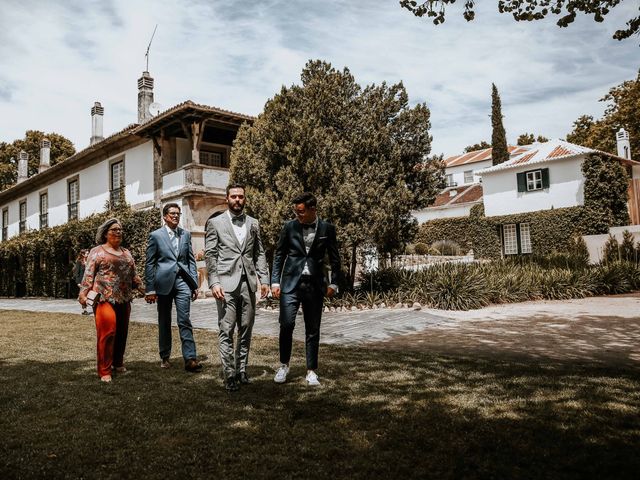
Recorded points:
(171, 276)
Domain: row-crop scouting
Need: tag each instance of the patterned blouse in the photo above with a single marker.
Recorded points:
(113, 276)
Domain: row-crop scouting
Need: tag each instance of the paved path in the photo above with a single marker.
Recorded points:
(597, 329)
(337, 327)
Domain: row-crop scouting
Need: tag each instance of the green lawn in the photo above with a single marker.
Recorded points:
(378, 414)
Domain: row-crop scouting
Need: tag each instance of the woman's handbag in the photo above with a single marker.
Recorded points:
(92, 298)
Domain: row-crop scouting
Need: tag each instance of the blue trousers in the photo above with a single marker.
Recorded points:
(181, 296)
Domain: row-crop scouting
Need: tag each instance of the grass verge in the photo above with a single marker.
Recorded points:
(378, 414)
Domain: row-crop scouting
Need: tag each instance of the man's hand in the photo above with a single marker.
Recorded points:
(330, 292)
(151, 298)
(275, 291)
(194, 295)
(218, 293)
(264, 291)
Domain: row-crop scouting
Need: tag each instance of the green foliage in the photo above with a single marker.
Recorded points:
(61, 148)
(477, 210)
(355, 148)
(421, 248)
(466, 286)
(39, 262)
(446, 247)
(611, 250)
(529, 138)
(622, 111)
(627, 248)
(529, 10)
(551, 230)
(605, 191)
(499, 150)
(477, 146)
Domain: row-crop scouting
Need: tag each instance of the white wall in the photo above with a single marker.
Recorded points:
(138, 174)
(458, 171)
(595, 243)
(94, 183)
(427, 214)
(566, 189)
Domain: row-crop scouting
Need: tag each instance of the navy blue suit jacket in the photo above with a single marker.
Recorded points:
(291, 255)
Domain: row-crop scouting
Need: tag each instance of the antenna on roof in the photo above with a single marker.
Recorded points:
(147, 54)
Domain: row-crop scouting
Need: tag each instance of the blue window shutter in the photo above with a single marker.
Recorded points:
(522, 182)
(545, 178)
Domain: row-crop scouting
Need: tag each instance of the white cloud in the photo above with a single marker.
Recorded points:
(56, 60)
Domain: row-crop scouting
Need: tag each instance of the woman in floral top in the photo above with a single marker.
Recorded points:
(111, 272)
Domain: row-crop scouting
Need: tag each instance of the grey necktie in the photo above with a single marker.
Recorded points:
(174, 242)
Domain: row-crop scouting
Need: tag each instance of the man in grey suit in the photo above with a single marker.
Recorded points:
(235, 260)
(171, 276)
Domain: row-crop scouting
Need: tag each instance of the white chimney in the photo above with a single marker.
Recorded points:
(145, 97)
(97, 115)
(45, 155)
(23, 166)
(624, 146)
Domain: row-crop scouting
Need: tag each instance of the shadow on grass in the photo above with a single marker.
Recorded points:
(378, 414)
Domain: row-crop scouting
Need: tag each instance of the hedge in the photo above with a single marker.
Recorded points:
(39, 262)
(551, 230)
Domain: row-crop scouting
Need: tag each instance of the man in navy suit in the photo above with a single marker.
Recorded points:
(299, 279)
(171, 276)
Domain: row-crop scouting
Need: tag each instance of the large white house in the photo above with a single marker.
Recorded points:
(547, 175)
(180, 155)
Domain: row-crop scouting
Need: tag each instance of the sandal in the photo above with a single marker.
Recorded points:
(105, 378)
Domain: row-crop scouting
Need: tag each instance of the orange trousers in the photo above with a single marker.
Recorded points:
(112, 326)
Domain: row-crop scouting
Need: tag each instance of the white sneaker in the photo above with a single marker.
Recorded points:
(312, 378)
(281, 374)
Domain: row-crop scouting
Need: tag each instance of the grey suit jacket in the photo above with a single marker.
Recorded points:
(162, 265)
(226, 258)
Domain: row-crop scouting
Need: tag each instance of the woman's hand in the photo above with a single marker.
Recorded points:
(82, 299)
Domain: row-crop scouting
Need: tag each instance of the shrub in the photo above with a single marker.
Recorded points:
(383, 279)
(39, 262)
(611, 252)
(627, 248)
(421, 248)
(446, 247)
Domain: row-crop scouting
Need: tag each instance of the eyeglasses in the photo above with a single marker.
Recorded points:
(174, 214)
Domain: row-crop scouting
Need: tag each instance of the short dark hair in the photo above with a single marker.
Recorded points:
(308, 198)
(101, 234)
(235, 185)
(166, 208)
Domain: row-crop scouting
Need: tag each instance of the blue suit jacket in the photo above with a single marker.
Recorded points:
(291, 255)
(163, 265)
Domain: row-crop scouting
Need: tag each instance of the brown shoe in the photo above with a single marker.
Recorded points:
(165, 363)
(192, 365)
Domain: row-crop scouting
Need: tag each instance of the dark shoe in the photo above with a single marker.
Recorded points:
(165, 363)
(242, 378)
(231, 385)
(192, 365)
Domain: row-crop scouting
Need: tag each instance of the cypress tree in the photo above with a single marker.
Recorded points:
(499, 152)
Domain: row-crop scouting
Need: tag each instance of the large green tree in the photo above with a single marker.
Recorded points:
(529, 10)
(61, 148)
(361, 151)
(622, 111)
(499, 149)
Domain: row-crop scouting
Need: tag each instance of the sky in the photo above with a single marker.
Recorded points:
(58, 58)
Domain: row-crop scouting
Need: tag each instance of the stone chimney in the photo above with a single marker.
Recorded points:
(624, 146)
(145, 97)
(97, 115)
(23, 166)
(45, 155)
